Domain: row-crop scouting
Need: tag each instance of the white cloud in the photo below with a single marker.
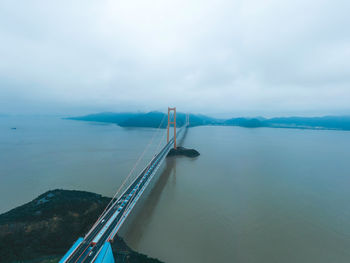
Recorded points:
(247, 57)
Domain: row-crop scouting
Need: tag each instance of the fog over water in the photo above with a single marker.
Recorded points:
(253, 195)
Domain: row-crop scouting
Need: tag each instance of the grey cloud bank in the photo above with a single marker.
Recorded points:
(216, 57)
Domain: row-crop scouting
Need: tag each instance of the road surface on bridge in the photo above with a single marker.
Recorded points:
(109, 223)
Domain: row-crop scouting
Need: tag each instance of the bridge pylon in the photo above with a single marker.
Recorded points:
(172, 122)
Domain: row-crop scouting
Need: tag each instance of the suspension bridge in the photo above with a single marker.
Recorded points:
(96, 245)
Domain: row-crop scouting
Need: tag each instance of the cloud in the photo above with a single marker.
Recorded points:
(240, 57)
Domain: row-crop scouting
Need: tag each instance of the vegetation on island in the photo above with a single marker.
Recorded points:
(44, 229)
(181, 151)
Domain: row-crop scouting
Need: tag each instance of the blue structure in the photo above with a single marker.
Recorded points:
(71, 250)
(105, 255)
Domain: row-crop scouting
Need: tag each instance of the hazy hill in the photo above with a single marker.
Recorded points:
(151, 119)
(246, 122)
(156, 119)
(326, 122)
(106, 117)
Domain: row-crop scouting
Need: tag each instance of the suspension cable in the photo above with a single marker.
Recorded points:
(131, 171)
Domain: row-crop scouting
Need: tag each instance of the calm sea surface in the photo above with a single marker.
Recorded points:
(253, 195)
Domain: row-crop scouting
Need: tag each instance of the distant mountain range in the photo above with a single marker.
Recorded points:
(152, 119)
(158, 119)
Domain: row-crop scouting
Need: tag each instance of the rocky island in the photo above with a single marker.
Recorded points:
(181, 151)
(44, 229)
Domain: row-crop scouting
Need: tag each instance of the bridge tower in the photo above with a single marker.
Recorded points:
(172, 122)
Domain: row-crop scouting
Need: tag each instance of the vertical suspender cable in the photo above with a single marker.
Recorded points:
(131, 171)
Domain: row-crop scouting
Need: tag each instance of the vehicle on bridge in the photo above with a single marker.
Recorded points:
(95, 246)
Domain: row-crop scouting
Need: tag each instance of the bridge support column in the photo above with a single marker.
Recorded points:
(172, 122)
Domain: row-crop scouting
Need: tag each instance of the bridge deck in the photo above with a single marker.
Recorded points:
(109, 224)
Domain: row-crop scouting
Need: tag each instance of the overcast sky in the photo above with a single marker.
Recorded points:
(219, 57)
